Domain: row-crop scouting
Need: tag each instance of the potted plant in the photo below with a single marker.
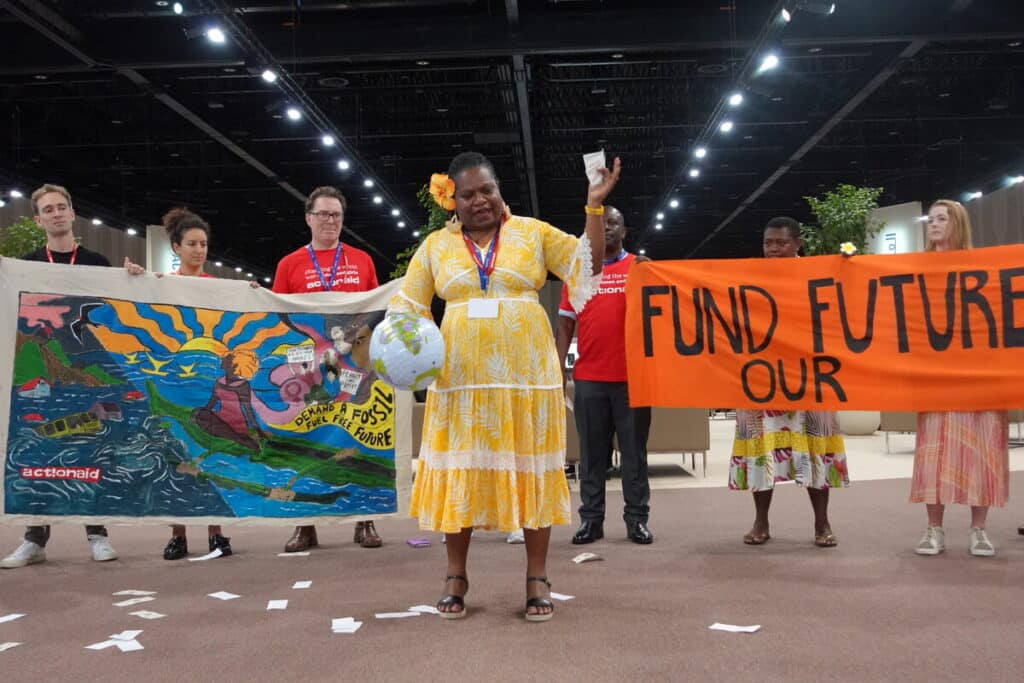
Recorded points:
(843, 217)
(21, 237)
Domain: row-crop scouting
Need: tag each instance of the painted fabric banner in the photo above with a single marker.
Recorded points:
(920, 332)
(193, 400)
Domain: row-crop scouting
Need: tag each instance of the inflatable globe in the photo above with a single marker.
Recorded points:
(407, 351)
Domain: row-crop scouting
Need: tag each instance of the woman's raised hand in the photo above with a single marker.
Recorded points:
(598, 193)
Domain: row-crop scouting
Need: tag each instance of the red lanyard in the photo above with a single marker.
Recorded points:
(484, 267)
(74, 253)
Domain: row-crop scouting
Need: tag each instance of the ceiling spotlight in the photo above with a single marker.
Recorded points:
(219, 264)
(658, 226)
(395, 212)
(973, 195)
(660, 216)
(422, 62)
(248, 275)
(238, 269)
(16, 194)
(367, 183)
(377, 199)
(132, 231)
(617, 55)
(343, 165)
(178, 8)
(415, 233)
(923, 219)
(726, 126)
(266, 279)
(269, 75)
(97, 221)
(700, 152)
(736, 99)
(216, 35)
(674, 204)
(2, 203)
(769, 62)
(694, 172)
(642, 251)
(293, 113)
(401, 224)
(1017, 180)
(327, 140)
(785, 16)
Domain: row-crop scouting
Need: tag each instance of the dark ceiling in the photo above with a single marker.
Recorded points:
(116, 101)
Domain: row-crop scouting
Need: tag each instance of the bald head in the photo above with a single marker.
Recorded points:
(614, 231)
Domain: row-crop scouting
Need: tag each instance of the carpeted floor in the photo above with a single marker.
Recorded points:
(869, 610)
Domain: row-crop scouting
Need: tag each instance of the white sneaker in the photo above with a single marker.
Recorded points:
(980, 545)
(933, 542)
(515, 537)
(102, 551)
(27, 553)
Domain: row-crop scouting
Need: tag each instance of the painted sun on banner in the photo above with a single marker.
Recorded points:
(129, 409)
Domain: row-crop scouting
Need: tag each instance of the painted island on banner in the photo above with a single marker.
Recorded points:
(143, 407)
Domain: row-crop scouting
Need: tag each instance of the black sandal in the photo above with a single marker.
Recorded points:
(452, 600)
(539, 603)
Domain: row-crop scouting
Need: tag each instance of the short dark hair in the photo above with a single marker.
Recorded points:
(790, 225)
(325, 191)
(468, 160)
(177, 221)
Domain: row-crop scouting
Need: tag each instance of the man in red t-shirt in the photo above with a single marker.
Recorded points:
(326, 265)
(601, 399)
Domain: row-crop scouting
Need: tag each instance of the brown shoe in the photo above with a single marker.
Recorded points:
(302, 539)
(366, 536)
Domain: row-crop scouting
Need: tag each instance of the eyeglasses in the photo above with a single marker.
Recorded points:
(327, 215)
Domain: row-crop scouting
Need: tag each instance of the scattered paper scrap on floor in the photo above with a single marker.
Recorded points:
(134, 592)
(302, 554)
(419, 542)
(125, 641)
(208, 556)
(4, 647)
(134, 601)
(424, 609)
(735, 629)
(277, 604)
(146, 614)
(561, 596)
(224, 595)
(301, 584)
(345, 625)
(396, 615)
(586, 557)
(11, 617)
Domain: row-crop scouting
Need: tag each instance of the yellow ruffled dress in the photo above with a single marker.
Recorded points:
(493, 446)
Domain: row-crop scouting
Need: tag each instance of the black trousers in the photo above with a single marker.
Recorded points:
(602, 410)
(41, 534)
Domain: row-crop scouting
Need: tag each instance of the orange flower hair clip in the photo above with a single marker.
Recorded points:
(442, 188)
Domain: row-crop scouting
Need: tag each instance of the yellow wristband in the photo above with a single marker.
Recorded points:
(599, 211)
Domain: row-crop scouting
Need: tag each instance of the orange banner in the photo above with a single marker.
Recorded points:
(924, 331)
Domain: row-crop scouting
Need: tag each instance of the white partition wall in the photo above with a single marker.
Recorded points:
(903, 231)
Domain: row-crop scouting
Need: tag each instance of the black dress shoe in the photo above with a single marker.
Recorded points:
(588, 533)
(176, 548)
(218, 541)
(639, 533)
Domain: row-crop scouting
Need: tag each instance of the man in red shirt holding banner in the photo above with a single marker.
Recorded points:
(601, 400)
(326, 265)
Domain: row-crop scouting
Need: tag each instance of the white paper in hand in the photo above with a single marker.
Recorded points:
(592, 162)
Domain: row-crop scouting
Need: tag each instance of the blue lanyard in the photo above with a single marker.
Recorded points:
(622, 254)
(327, 285)
(485, 267)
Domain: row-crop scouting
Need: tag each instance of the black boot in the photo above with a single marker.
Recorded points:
(218, 541)
(176, 549)
(588, 533)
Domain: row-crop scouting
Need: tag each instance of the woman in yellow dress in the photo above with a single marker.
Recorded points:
(494, 428)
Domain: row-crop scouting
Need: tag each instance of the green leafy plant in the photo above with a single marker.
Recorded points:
(21, 237)
(436, 217)
(842, 216)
